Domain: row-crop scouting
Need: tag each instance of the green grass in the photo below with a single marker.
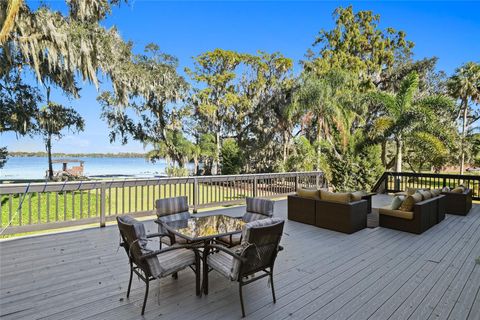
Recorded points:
(53, 207)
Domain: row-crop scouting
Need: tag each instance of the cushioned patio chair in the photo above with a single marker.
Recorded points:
(256, 209)
(149, 264)
(171, 209)
(256, 254)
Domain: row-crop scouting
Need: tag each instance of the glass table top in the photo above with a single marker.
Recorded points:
(202, 228)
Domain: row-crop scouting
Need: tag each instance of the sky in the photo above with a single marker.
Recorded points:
(447, 30)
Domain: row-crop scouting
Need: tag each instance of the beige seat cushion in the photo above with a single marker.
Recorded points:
(336, 197)
(396, 213)
(357, 195)
(436, 192)
(409, 202)
(308, 193)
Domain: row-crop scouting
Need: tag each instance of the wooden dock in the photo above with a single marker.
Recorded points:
(373, 274)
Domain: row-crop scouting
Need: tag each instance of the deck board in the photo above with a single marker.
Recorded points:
(372, 274)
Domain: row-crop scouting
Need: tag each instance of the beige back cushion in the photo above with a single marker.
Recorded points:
(436, 192)
(425, 194)
(357, 195)
(409, 202)
(336, 197)
(308, 193)
(458, 189)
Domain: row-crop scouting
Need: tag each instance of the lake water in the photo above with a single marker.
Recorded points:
(35, 167)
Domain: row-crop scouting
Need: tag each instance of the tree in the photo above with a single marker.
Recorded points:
(155, 85)
(464, 86)
(402, 115)
(232, 160)
(356, 43)
(319, 98)
(52, 120)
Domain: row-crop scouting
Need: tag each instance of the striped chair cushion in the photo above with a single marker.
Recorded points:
(172, 261)
(261, 206)
(225, 264)
(255, 224)
(251, 216)
(170, 206)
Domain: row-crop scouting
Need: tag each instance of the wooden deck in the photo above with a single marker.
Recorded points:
(373, 274)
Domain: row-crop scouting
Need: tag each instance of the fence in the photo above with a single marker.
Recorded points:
(28, 207)
(400, 181)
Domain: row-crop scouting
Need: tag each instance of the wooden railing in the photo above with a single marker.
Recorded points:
(28, 207)
(400, 181)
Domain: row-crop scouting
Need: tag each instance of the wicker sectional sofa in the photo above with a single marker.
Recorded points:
(458, 203)
(425, 215)
(343, 217)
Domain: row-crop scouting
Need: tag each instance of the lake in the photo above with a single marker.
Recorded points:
(35, 167)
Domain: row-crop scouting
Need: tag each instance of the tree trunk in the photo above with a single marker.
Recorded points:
(285, 149)
(464, 135)
(49, 155)
(319, 138)
(384, 154)
(215, 163)
(398, 156)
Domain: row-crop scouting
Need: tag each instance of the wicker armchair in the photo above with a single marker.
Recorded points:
(257, 209)
(458, 203)
(256, 254)
(171, 209)
(150, 264)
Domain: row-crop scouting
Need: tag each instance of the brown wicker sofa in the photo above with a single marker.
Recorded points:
(458, 203)
(425, 215)
(343, 217)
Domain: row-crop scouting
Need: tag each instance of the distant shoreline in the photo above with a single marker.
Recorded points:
(78, 155)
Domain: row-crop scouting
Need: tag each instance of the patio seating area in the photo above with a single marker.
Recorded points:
(374, 273)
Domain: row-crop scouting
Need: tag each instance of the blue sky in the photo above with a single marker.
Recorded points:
(448, 30)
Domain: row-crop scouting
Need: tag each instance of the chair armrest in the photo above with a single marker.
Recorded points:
(154, 235)
(224, 249)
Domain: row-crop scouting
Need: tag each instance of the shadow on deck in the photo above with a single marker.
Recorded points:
(375, 273)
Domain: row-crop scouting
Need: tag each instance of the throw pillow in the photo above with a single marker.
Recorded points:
(458, 190)
(409, 202)
(396, 202)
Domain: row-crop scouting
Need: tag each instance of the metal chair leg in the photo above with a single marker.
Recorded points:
(197, 276)
(205, 275)
(146, 296)
(130, 281)
(175, 275)
(273, 289)
(241, 299)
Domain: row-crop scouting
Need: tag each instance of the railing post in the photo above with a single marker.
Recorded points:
(296, 182)
(444, 182)
(102, 203)
(195, 195)
(318, 180)
(254, 186)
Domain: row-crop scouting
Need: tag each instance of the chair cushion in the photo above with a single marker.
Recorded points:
(436, 192)
(171, 205)
(172, 261)
(458, 190)
(261, 206)
(178, 240)
(225, 264)
(425, 194)
(396, 213)
(251, 216)
(357, 195)
(335, 197)
(409, 202)
(396, 202)
(309, 193)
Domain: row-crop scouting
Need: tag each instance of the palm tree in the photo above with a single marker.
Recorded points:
(402, 116)
(319, 99)
(464, 86)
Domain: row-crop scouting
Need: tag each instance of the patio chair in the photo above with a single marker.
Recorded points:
(257, 209)
(256, 254)
(150, 264)
(171, 209)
